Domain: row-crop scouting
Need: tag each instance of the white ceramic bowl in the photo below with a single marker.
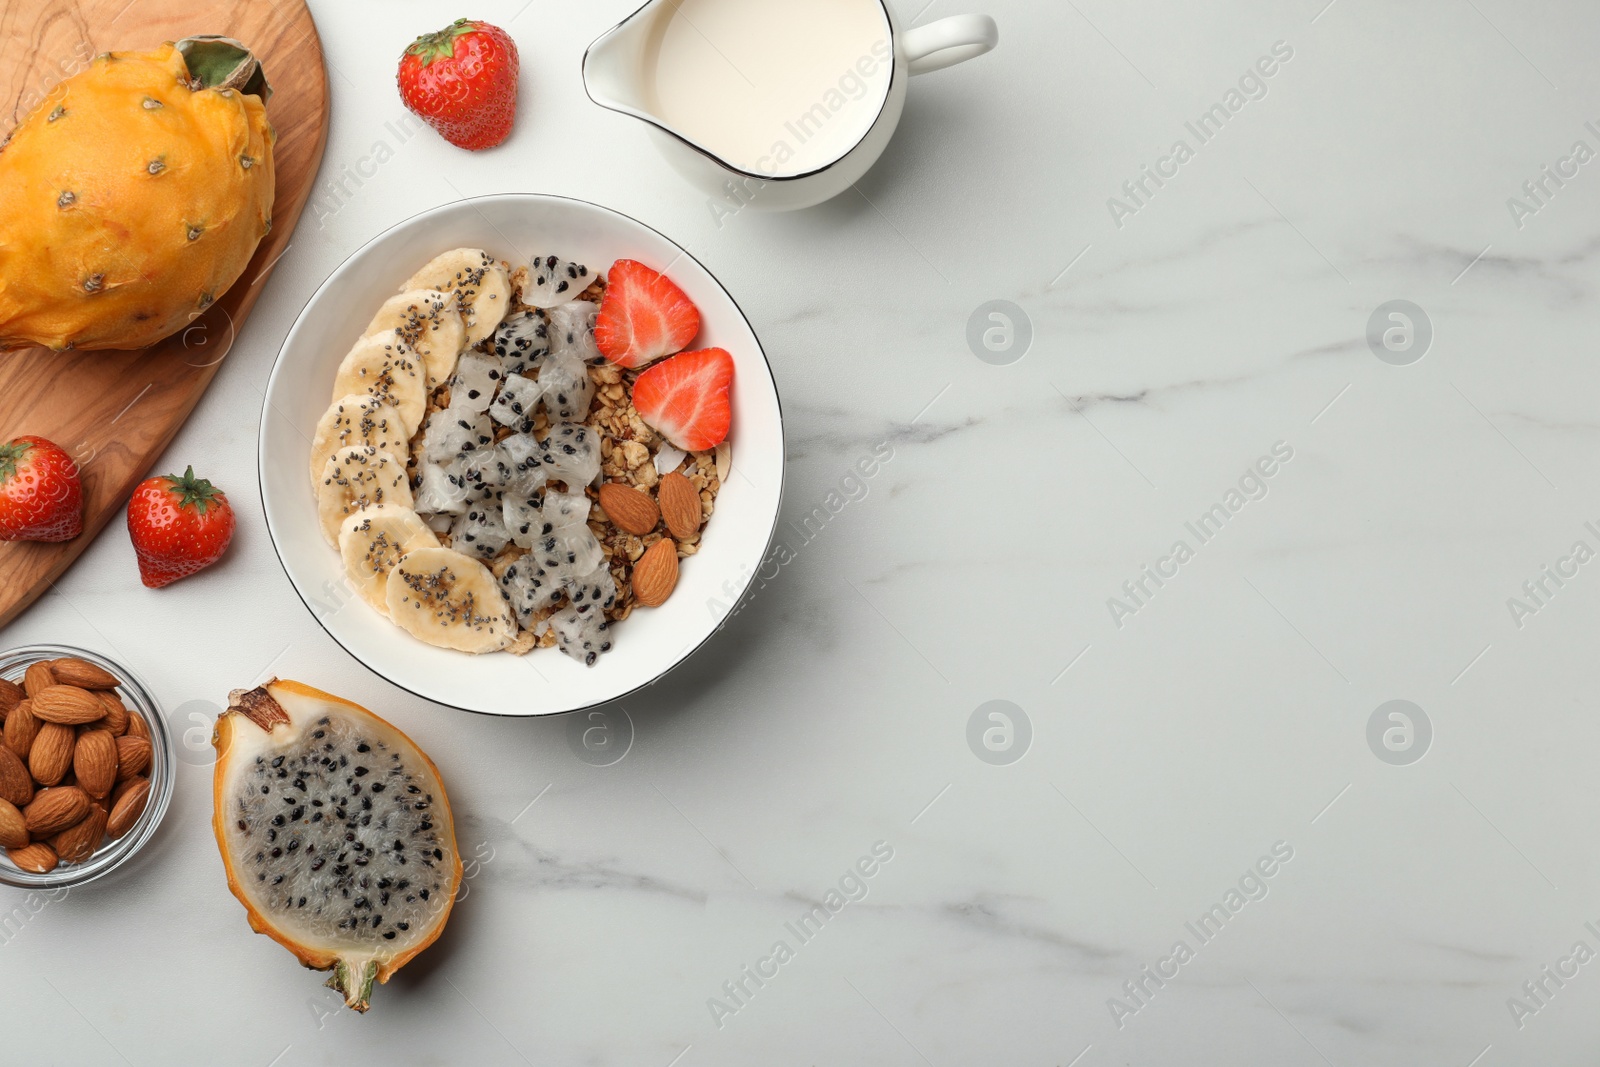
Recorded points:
(651, 641)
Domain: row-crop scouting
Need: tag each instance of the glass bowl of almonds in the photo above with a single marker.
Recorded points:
(86, 766)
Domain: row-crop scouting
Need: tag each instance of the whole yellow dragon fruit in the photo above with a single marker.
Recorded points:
(134, 196)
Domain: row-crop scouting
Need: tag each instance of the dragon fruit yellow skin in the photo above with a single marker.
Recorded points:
(131, 199)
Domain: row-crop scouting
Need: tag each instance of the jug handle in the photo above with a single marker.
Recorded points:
(949, 41)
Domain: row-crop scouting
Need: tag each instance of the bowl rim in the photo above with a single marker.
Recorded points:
(163, 775)
(277, 366)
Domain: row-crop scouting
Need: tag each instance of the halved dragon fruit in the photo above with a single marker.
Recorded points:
(596, 587)
(443, 490)
(456, 433)
(572, 330)
(517, 402)
(477, 378)
(529, 590)
(481, 532)
(522, 341)
(567, 388)
(553, 281)
(582, 632)
(571, 454)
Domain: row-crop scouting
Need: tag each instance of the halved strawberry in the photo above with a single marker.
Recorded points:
(685, 399)
(643, 316)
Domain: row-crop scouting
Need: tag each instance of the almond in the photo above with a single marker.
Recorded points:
(11, 695)
(38, 857)
(116, 713)
(77, 842)
(129, 806)
(680, 505)
(67, 704)
(13, 831)
(53, 810)
(51, 753)
(94, 762)
(137, 727)
(629, 509)
(38, 678)
(656, 573)
(83, 674)
(20, 728)
(133, 757)
(16, 785)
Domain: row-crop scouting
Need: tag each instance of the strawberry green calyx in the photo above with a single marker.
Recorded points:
(441, 44)
(197, 493)
(10, 455)
(217, 62)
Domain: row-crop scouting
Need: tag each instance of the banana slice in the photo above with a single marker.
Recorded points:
(480, 285)
(427, 321)
(358, 477)
(372, 542)
(390, 371)
(357, 419)
(447, 599)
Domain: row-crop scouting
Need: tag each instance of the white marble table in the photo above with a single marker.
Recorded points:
(1178, 735)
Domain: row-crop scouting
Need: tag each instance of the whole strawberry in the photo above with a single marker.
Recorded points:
(463, 82)
(178, 526)
(41, 498)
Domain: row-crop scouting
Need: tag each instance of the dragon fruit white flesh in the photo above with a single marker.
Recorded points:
(553, 281)
(522, 341)
(572, 330)
(596, 587)
(477, 378)
(456, 433)
(567, 388)
(571, 454)
(516, 403)
(581, 632)
(442, 490)
(529, 590)
(481, 532)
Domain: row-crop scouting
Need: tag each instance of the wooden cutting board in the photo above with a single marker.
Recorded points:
(116, 411)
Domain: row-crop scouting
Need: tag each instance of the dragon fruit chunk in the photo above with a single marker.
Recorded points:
(516, 404)
(596, 587)
(481, 531)
(456, 433)
(553, 281)
(572, 330)
(477, 379)
(571, 454)
(443, 490)
(522, 341)
(582, 632)
(567, 388)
